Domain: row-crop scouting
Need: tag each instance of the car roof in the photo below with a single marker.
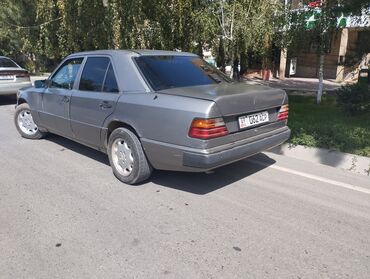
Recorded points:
(162, 52)
(141, 52)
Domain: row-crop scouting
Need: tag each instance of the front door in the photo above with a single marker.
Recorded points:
(94, 100)
(54, 113)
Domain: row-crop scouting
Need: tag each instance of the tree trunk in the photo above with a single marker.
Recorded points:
(321, 78)
(200, 48)
(282, 66)
(232, 65)
(236, 73)
(221, 63)
(243, 63)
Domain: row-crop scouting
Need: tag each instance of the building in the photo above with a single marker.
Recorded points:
(343, 58)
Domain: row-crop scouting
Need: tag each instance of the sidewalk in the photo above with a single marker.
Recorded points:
(298, 84)
(345, 161)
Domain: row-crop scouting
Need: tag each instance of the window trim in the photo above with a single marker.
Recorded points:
(147, 83)
(105, 79)
(77, 84)
(61, 65)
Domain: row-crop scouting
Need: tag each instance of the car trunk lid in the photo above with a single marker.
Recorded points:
(235, 101)
(13, 74)
(234, 98)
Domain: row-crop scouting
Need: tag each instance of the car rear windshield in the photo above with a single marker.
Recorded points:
(7, 63)
(164, 72)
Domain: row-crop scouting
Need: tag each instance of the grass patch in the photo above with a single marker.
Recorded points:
(326, 126)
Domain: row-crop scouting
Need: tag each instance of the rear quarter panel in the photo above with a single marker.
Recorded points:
(161, 117)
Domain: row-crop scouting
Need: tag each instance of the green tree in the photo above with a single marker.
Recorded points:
(245, 25)
(15, 18)
(49, 18)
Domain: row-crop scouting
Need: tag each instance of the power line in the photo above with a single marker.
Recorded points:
(33, 26)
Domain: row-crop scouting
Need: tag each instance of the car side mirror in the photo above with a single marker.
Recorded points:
(40, 83)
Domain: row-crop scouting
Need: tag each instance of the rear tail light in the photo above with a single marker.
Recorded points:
(283, 113)
(208, 128)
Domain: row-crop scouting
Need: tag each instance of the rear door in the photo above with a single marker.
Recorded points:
(54, 113)
(94, 100)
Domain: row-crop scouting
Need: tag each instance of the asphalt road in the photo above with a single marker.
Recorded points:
(64, 215)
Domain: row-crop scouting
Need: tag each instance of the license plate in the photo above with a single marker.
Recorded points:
(253, 119)
(6, 77)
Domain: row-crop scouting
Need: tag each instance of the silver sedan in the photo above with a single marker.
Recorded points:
(151, 109)
(12, 77)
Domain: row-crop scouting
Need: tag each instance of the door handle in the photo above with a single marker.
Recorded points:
(65, 99)
(105, 105)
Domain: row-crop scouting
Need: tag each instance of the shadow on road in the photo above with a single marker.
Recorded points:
(79, 148)
(196, 183)
(324, 156)
(201, 183)
(8, 100)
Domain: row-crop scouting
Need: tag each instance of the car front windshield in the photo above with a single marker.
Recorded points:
(7, 63)
(164, 72)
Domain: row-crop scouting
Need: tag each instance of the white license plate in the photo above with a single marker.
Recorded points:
(6, 77)
(253, 119)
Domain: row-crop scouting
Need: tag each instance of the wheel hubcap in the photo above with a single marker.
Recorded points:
(26, 123)
(123, 159)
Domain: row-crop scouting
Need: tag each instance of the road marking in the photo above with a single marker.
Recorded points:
(315, 177)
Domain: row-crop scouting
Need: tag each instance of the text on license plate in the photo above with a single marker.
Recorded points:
(253, 119)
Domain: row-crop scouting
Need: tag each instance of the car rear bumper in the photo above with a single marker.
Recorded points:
(210, 161)
(171, 157)
(12, 88)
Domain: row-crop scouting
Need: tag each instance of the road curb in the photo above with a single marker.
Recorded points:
(349, 162)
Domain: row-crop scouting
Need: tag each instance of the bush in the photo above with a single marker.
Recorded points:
(326, 125)
(30, 66)
(354, 99)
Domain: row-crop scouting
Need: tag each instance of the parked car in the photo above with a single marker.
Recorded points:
(12, 77)
(154, 110)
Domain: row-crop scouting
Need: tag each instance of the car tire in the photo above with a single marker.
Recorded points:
(127, 157)
(24, 123)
